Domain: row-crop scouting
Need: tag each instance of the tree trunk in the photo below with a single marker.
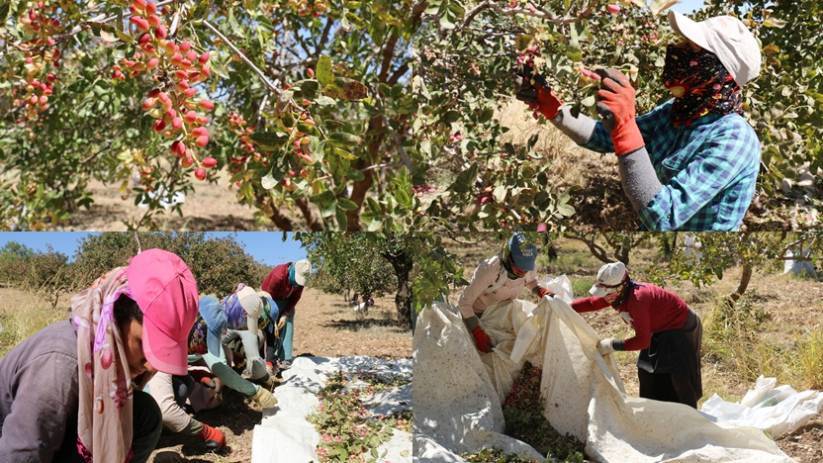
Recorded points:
(402, 264)
(743, 284)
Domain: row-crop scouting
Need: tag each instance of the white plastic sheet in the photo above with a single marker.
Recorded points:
(457, 393)
(778, 410)
(286, 436)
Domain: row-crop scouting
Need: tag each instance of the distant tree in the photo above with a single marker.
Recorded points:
(416, 266)
(218, 264)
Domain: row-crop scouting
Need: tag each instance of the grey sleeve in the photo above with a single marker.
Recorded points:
(579, 129)
(45, 399)
(639, 179)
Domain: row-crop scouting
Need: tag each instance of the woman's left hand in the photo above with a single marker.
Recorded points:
(605, 346)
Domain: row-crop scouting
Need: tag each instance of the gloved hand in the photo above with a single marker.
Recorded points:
(539, 96)
(605, 346)
(616, 102)
(212, 437)
(481, 339)
(543, 292)
(264, 398)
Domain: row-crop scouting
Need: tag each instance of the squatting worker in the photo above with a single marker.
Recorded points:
(236, 315)
(206, 342)
(667, 334)
(285, 285)
(499, 279)
(692, 162)
(71, 393)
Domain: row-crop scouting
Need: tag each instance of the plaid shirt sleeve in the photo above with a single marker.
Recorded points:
(649, 124)
(725, 154)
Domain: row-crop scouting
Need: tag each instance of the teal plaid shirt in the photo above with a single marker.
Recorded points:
(708, 170)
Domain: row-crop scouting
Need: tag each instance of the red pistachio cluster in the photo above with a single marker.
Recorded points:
(175, 105)
(41, 56)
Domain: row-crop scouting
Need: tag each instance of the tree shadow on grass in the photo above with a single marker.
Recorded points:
(366, 323)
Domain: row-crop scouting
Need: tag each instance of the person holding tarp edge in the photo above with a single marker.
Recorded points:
(500, 278)
(692, 162)
(667, 333)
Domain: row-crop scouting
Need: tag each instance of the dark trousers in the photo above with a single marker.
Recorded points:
(669, 369)
(147, 423)
(663, 387)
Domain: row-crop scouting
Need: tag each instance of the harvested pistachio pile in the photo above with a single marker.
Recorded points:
(522, 410)
(493, 456)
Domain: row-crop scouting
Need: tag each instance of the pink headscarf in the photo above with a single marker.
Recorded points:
(165, 290)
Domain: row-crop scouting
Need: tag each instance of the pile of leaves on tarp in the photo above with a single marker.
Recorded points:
(348, 432)
(523, 412)
(493, 456)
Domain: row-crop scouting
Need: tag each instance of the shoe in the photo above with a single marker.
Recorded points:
(284, 364)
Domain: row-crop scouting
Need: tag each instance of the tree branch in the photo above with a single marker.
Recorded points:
(324, 37)
(271, 85)
(399, 72)
(308, 214)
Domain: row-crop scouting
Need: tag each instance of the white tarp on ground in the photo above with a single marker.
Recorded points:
(457, 393)
(286, 436)
(778, 410)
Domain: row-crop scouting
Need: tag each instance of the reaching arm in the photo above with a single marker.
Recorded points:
(642, 332)
(175, 418)
(483, 276)
(589, 304)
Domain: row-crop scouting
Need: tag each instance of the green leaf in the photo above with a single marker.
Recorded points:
(4, 10)
(270, 140)
(323, 100)
(346, 204)
(345, 139)
(324, 72)
(465, 180)
(451, 116)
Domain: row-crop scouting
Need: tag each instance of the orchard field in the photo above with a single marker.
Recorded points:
(356, 115)
(773, 329)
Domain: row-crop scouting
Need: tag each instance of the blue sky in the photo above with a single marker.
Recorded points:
(687, 6)
(266, 247)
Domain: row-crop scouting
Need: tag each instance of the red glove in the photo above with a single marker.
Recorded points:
(616, 95)
(482, 340)
(543, 292)
(548, 104)
(213, 437)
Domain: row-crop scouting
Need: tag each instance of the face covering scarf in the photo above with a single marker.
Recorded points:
(104, 422)
(701, 85)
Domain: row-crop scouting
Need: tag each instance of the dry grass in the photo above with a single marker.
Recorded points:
(23, 313)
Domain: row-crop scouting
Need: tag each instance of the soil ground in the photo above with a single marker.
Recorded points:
(211, 207)
(324, 326)
(794, 307)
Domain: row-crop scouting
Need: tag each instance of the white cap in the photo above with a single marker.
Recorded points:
(251, 303)
(728, 38)
(609, 279)
(302, 268)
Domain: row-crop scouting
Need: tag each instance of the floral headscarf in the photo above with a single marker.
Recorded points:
(705, 86)
(104, 422)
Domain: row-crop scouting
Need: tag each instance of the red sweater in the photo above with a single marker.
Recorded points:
(284, 294)
(649, 308)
